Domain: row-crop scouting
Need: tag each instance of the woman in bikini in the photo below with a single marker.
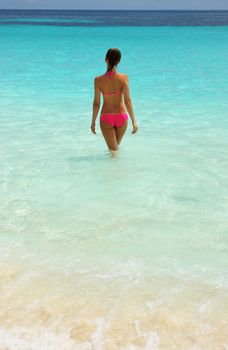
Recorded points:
(113, 118)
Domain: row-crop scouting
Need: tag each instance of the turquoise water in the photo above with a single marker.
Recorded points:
(101, 252)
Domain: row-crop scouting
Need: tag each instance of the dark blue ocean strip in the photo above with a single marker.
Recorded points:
(113, 18)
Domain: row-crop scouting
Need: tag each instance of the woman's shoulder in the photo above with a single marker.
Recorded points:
(98, 76)
(123, 76)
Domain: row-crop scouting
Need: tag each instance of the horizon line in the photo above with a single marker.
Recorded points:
(62, 9)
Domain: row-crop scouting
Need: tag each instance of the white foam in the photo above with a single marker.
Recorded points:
(152, 341)
(98, 336)
(37, 338)
(151, 337)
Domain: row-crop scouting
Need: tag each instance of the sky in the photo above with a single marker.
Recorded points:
(116, 4)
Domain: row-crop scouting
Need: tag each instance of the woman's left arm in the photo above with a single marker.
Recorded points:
(96, 104)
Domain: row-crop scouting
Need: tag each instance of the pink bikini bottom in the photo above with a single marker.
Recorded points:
(114, 119)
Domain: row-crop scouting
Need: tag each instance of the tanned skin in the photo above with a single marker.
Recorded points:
(113, 104)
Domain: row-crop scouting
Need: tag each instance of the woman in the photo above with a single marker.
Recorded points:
(113, 118)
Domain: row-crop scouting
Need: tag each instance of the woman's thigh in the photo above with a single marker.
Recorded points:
(109, 134)
(120, 131)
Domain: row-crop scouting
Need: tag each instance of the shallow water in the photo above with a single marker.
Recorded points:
(125, 252)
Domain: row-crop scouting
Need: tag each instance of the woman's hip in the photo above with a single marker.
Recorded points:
(114, 119)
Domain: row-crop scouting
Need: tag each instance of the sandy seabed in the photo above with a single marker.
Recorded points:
(54, 310)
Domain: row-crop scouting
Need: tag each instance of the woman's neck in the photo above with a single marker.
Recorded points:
(110, 73)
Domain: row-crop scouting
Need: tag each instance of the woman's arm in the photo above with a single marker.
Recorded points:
(128, 104)
(96, 104)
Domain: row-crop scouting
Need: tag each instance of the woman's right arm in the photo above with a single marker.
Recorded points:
(128, 104)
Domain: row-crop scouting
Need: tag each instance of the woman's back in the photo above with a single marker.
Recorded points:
(111, 85)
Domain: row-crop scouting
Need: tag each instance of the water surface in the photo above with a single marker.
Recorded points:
(101, 252)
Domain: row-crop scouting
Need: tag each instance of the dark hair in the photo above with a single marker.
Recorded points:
(113, 56)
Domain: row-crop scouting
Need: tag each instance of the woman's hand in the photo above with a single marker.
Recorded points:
(93, 128)
(135, 127)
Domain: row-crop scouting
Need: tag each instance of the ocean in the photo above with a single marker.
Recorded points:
(113, 253)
